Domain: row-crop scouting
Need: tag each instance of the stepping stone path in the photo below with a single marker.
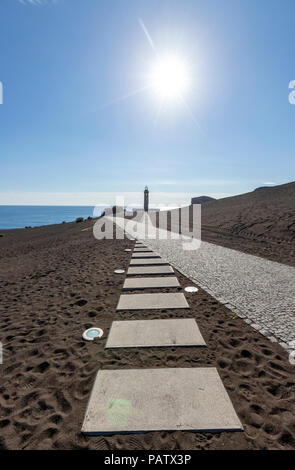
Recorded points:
(145, 255)
(143, 261)
(151, 333)
(136, 270)
(150, 283)
(138, 400)
(162, 399)
(152, 301)
(142, 250)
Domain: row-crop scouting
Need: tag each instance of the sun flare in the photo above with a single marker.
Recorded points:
(169, 77)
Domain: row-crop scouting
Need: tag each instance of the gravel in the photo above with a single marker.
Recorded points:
(258, 290)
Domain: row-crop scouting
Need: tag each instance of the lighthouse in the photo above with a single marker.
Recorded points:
(146, 199)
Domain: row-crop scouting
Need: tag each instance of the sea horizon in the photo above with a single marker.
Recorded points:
(21, 216)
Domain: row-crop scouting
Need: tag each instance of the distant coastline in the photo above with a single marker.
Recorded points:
(14, 217)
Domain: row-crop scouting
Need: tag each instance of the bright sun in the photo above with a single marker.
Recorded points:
(169, 77)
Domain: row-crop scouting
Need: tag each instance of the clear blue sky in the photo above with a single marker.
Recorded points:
(65, 66)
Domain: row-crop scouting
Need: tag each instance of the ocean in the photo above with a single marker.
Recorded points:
(34, 216)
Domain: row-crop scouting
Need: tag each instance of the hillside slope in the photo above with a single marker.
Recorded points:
(267, 213)
(260, 223)
(202, 199)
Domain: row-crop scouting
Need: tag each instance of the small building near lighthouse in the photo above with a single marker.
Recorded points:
(146, 199)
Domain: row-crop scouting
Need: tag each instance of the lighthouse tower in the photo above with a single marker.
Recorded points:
(146, 199)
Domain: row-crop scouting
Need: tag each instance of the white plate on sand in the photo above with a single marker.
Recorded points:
(191, 289)
(92, 333)
(119, 271)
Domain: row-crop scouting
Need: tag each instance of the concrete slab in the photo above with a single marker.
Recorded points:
(142, 250)
(139, 400)
(151, 254)
(152, 301)
(154, 333)
(146, 270)
(143, 262)
(151, 283)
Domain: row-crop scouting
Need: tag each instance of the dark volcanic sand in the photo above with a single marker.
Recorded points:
(56, 282)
